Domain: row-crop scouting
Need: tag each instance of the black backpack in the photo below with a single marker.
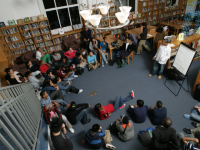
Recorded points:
(111, 62)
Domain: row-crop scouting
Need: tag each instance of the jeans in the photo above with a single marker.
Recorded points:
(67, 123)
(156, 66)
(119, 101)
(82, 116)
(195, 114)
(103, 57)
(197, 129)
(70, 77)
(70, 59)
(180, 135)
(62, 105)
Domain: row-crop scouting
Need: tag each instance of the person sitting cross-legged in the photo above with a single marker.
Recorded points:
(193, 131)
(67, 87)
(161, 57)
(52, 112)
(80, 63)
(92, 61)
(195, 113)
(59, 103)
(126, 50)
(164, 137)
(105, 111)
(70, 54)
(139, 111)
(157, 113)
(76, 113)
(44, 67)
(58, 135)
(65, 76)
(56, 58)
(32, 77)
(188, 142)
(97, 137)
(125, 128)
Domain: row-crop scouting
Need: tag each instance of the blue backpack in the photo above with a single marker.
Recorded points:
(145, 136)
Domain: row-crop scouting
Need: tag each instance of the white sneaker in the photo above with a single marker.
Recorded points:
(102, 65)
(75, 76)
(106, 62)
(110, 146)
(71, 130)
(131, 106)
(80, 90)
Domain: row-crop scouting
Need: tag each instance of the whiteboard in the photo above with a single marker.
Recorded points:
(184, 58)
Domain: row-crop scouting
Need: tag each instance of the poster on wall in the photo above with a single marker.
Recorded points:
(168, 2)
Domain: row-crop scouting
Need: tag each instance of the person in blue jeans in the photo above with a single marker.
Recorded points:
(77, 112)
(139, 111)
(161, 58)
(105, 111)
(103, 46)
(195, 114)
(59, 103)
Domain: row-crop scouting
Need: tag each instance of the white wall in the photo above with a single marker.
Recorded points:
(18, 9)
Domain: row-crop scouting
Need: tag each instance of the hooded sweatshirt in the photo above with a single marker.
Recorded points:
(96, 140)
(104, 113)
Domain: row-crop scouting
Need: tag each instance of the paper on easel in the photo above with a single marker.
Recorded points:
(149, 35)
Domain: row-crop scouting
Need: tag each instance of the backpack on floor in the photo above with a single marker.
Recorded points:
(111, 62)
(145, 136)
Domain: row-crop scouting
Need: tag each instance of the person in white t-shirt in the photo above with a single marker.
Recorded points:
(161, 57)
(40, 55)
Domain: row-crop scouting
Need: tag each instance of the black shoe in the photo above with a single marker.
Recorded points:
(194, 124)
(188, 131)
(89, 69)
(88, 121)
(150, 52)
(82, 70)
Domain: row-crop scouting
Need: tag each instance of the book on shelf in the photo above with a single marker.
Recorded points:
(149, 13)
(174, 13)
(160, 11)
(31, 47)
(144, 19)
(92, 31)
(57, 40)
(139, 15)
(149, 23)
(78, 26)
(155, 17)
(36, 32)
(155, 7)
(41, 45)
(44, 50)
(138, 21)
(134, 15)
(113, 9)
(144, 4)
(45, 30)
(28, 41)
(155, 12)
(161, 16)
(43, 23)
(156, 2)
(129, 17)
(24, 27)
(160, 6)
(151, 3)
(9, 31)
(58, 47)
(11, 39)
(51, 48)
(34, 25)
(149, 8)
(16, 45)
(49, 43)
(38, 39)
(19, 51)
(144, 9)
(99, 35)
(27, 34)
(149, 18)
(47, 36)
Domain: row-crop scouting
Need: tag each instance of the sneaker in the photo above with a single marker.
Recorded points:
(75, 76)
(110, 146)
(194, 124)
(102, 65)
(71, 130)
(150, 75)
(106, 62)
(132, 94)
(122, 116)
(122, 106)
(187, 116)
(131, 106)
(188, 131)
(159, 77)
(80, 90)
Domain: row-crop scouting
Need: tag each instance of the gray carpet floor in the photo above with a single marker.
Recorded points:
(109, 82)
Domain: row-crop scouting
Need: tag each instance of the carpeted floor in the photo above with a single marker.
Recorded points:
(109, 82)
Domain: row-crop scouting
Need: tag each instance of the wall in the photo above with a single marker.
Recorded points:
(18, 9)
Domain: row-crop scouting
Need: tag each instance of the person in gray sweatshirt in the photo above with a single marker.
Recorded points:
(125, 128)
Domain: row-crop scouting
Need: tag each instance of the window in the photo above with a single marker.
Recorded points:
(62, 13)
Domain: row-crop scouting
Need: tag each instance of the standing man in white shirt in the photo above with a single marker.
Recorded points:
(161, 57)
(126, 49)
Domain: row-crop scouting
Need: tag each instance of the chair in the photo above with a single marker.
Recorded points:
(29, 56)
(171, 30)
(20, 68)
(106, 54)
(131, 54)
(70, 41)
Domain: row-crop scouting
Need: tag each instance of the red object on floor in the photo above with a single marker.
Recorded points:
(132, 94)
(122, 106)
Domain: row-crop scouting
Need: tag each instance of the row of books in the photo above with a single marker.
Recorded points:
(58, 47)
(113, 32)
(31, 47)
(27, 34)
(154, 17)
(11, 39)
(45, 30)
(19, 51)
(49, 43)
(38, 38)
(43, 23)
(24, 27)
(16, 45)
(40, 45)
(51, 48)
(99, 35)
(9, 31)
(76, 35)
(44, 50)
(34, 25)
(28, 41)
(36, 32)
(47, 36)
(78, 26)
(144, 9)
(57, 40)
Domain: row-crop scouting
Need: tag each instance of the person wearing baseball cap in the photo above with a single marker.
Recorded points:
(52, 112)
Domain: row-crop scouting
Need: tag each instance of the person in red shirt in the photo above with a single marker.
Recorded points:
(105, 111)
(65, 76)
(44, 67)
(70, 54)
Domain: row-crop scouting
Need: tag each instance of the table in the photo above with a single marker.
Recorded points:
(110, 39)
(177, 26)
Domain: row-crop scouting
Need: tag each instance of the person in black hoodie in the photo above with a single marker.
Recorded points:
(97, 137)
(76, 113)
(164, 137)
(143, 37)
